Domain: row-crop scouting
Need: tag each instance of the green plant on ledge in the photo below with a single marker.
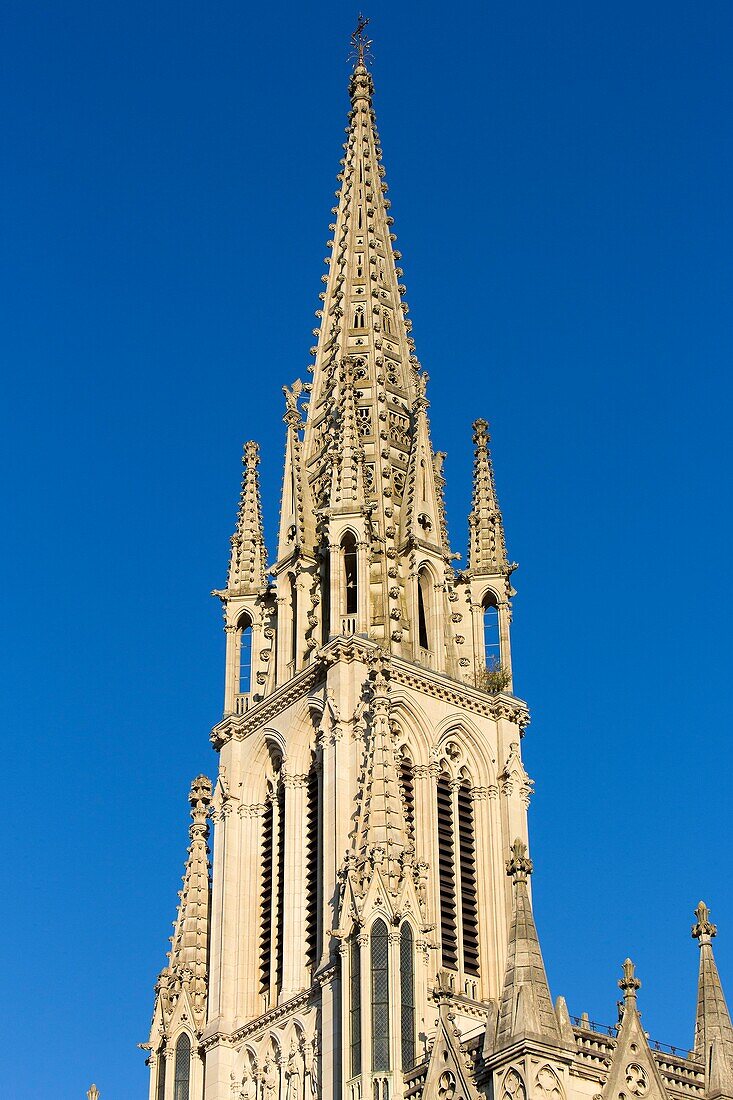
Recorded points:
(493, 678)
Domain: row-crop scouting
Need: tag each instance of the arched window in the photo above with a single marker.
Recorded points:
(469, 896)
(272, 886)
(325, 592)
(351, 573)
(407, 997)
(423, 602)
(182, 1073)
(355, 1007)
(160, 1087)
(492, 645)
(313, 850)
(294, 622)
(359, 317)
(447, 875)
(380, 996)
(244, 683)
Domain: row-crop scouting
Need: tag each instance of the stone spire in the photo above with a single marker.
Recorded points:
(713, 1030)
(291, 535)
(487, 547)
(382, 833)
(367, 417)
(525, 1009)
(189, 947)
(248, 560)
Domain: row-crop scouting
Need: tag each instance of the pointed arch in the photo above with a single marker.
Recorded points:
(350, 576)
(379, 960)
(407, 996)
(244, 653)
(182, 1068)
(491, 633)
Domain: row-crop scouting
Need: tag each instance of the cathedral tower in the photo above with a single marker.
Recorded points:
(368, 934)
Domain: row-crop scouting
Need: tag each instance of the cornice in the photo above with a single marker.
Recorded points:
(236, 727)
(462, 695)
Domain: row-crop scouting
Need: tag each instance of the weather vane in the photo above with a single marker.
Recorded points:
(361, 46)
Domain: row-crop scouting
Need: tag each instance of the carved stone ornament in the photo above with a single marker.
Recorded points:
(637, 1081)
(547, 1085)
(513, 1088)
(447, 1085)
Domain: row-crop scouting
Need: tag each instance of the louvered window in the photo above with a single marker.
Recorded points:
(380, 996)
(272, 892)
(268, 826)
(469, 899)
(447, 876)
(407, 997)
(182, 1074)
(407, 782)
(160, 1089)
(355, 1007)
(313, 866)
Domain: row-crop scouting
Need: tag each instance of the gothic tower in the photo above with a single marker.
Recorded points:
(368, 932)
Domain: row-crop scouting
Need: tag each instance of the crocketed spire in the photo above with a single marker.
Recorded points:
(189, 947)
(382, 832)
(713, 1030)
(525, 1009)
(248, 560)
(487, 547)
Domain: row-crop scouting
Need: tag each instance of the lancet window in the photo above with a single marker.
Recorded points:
(325, 593)
(350, 562)
(447, 874)
(380, 995)
(355, 1006)
(423, 608)
(160, 1086)
(407, 786)
(244, 640)
(182, 1069)
(492, 643)
(314, 849)
(407, 997)
(272, 885)
(457, 875)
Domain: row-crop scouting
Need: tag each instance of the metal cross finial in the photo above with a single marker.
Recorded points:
(360, 45)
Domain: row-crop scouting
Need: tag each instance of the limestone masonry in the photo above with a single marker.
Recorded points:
(365, 930)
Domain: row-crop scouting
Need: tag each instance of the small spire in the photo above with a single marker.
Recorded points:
(713, 1023)
(487, 546)
(381, 840)
(629, 984)
(525, 1008)
(347, 473)
(189, 950)
(248, 560)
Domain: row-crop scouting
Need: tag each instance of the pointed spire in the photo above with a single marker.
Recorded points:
(189, 949)
(292, 511)
(382, 835)
(487, 547)
(525, 1009)
(713, 1030)
(248, 560)
(633, 1068)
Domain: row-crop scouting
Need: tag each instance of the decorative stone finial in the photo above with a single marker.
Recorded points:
(703, 930)
(519, 865)
(92, 1093)
(629, 984)
(361, 85)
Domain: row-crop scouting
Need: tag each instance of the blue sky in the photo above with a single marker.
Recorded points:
(561, 178)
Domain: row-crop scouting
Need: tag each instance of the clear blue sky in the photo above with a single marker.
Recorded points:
(561, 179)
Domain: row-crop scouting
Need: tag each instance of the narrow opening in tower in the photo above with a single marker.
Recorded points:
(351, 578)
(244, 683)
(492, 641)
(422, 618)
